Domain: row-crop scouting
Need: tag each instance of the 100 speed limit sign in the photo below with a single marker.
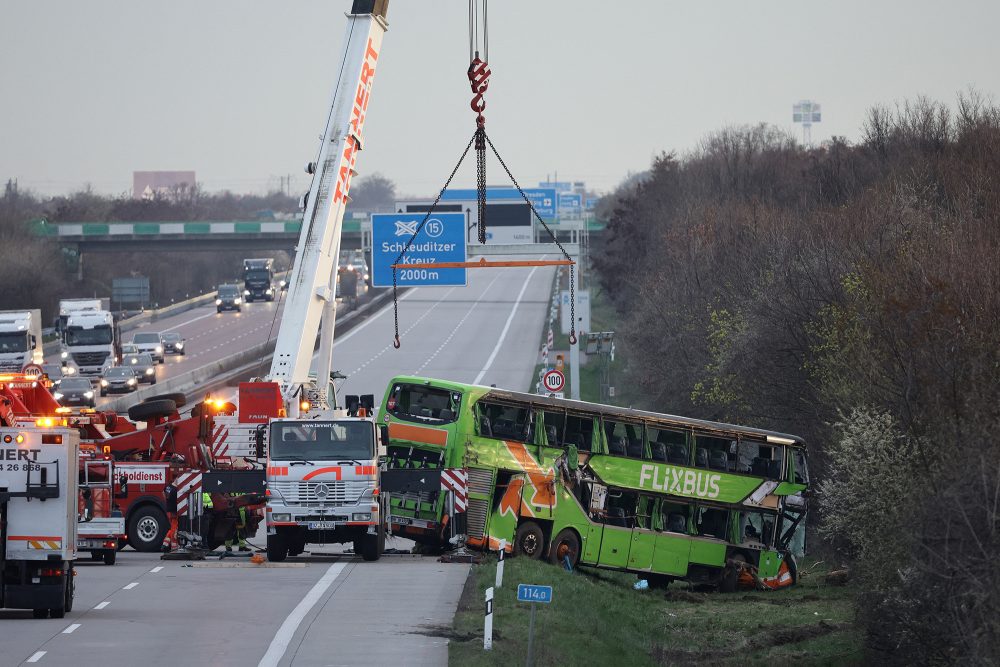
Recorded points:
(554, 380)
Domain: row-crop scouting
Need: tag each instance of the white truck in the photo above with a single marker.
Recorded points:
(101, 527)
(38, 518)
(20, 339)
(91, 342)
(68, 306)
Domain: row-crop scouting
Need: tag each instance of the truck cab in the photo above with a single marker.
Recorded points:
(258, 279)
(20, 339)
(91, 343)
(322, 477)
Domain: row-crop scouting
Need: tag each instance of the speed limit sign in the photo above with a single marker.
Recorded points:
(554, 380)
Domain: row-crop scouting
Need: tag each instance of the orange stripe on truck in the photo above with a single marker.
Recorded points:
(322, 471)
(26, 538)
(430, 436)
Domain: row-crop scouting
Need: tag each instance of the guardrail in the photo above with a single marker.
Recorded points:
(233, 365)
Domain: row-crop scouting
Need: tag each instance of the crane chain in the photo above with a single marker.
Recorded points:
(572, 267)
(395, 296)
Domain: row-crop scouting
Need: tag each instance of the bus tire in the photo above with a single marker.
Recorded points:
(277, 548)
(529, 541)
(146, 528)
(567, 543)
(731, 574)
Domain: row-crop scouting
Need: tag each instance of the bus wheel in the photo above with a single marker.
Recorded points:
(731, 574)
(529, 540)
(565, 544)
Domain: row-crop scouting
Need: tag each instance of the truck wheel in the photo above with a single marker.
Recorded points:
(277, 549)
(152, 410)
(529, 540)
(146, 528)
(110, 556)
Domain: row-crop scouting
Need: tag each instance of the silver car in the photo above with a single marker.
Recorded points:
(142, 365)
(150, 343)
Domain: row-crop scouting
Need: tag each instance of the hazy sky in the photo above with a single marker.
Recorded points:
(237, 89)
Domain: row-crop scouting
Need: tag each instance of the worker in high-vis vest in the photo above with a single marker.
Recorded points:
(240, 531)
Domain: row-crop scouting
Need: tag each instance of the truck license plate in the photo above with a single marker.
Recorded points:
(322, 525)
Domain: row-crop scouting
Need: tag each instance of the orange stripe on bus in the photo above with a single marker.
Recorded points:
(431, 436)
(321, 471)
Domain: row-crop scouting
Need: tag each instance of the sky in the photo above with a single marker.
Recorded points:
(237, 90)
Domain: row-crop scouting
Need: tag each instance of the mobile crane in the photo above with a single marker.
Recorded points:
(322, 462)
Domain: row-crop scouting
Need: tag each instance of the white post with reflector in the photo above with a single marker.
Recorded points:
(499, 579)
(488, 623)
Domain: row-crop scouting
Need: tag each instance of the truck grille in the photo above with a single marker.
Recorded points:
(11, 365)
(337, 493)
(90, 358)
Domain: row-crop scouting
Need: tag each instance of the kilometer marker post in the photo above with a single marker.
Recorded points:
(488, 623)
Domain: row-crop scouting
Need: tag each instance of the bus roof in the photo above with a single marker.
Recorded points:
(569, 404)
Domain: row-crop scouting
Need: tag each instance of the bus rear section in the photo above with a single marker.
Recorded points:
(422, 421)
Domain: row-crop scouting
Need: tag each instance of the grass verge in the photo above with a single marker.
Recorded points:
(597, 618)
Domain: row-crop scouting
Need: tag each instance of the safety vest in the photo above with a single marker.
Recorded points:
(206, 500)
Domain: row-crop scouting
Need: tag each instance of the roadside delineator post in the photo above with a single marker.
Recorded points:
(488, 624)
(499, 579)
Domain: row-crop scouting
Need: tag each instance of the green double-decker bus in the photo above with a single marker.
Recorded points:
(666, 497)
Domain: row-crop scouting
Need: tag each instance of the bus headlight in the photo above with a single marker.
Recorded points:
(362, 516)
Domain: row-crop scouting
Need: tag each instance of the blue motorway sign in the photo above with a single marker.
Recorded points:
(570, 201)
(543, 199)
(591, 203)
(534, 593)
(442, 239)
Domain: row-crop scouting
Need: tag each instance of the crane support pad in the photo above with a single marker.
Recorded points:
(234, 481)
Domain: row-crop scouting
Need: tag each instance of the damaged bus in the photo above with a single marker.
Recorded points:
(663, 496)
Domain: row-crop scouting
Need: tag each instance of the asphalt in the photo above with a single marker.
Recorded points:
(332, 610)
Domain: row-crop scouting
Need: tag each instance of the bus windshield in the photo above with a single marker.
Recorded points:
(13, 341)
(322, 441)
(421, 403)
(97, 336)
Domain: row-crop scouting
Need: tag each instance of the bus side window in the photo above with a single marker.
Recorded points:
(673, 517)
(621, 508)
(668, 446)
(624, 438)
(759, 459)
(712, 522)
(579, 431)
(713, 453)
(757, 528)
(555, 422)
(801, 469)
(506, 422)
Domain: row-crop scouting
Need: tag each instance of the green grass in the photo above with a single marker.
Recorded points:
(597, 618)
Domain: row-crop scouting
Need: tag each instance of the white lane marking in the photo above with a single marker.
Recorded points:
(385, 309)
(70, 629)
(102, 605)
(157, 568)
(457, 327)
(130, 586)
(506, 328)
(36, 657)
(287, 630)
(185, 323)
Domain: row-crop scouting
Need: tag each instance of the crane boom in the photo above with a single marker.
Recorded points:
(310, 308)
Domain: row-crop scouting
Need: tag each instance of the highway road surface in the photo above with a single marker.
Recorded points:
(326, 610)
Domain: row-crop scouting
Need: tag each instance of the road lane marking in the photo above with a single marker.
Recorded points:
(458, 326)
(36, 657)
(383, 311)
(506, 327)
(130, 586)
(70, 629)
(102, 605)
(287, 630)
(157, 568)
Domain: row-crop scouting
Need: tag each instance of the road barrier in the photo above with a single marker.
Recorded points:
(241, 362)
